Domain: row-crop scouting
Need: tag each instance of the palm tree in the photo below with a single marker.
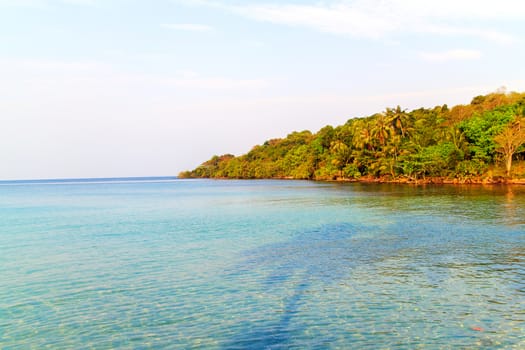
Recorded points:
(399, 119)
(362, 136)
(341, 153)
(454, 134)
(382, 129)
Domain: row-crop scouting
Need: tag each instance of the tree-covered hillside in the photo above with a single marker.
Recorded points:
(474, 141)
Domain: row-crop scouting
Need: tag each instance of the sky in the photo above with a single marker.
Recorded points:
(103, 88)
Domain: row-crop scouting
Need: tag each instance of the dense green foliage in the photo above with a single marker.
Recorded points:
(440, 142)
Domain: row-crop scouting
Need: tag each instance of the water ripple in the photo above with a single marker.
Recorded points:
(277, 265)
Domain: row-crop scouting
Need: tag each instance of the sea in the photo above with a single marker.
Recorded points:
(166, 263)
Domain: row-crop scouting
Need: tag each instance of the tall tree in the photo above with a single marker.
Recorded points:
(362, 135)
(399, 119)
(509, 140)
(341, 154)
(381, 129)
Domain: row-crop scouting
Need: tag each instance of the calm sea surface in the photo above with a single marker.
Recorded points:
(196, 264)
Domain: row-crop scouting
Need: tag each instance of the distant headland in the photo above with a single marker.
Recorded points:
(482, 142)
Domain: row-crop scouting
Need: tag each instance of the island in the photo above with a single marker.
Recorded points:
(481, 142)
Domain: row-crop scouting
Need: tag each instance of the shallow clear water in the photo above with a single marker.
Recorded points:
(260, 265)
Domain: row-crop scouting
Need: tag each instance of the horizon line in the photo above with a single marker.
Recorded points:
(88, 179)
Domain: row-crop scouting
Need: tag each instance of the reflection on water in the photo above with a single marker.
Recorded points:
(406, 286)
(262, 265)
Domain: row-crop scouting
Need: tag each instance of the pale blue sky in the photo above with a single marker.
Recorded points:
(95, 88)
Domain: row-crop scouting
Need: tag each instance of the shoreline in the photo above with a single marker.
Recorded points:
(401, 181)
(436, 181)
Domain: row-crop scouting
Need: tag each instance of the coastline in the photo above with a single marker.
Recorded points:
(437, 181)
(479, 143)
(400, 180)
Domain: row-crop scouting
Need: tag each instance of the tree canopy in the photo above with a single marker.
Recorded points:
(462, 142)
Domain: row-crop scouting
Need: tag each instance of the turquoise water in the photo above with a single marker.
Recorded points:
(196, 264)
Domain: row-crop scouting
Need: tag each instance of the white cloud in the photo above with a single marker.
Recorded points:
(220, 83)
(44, 3)
(485, 34)
(191, 27)
(335, 19)
(89, 79)
(191, 80)
(450, 55)
(384, 18)
(36, 66)
(80, 2)
(457, 10)
(22, 3)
